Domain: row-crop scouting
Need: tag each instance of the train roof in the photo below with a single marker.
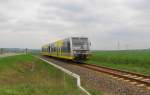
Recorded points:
(46, 45)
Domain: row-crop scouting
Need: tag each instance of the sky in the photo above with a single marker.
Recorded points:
(109, 24)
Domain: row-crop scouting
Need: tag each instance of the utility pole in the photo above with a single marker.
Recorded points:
(26, 51)
(118, 45)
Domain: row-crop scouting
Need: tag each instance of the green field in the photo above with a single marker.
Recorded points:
(133, 60)
(27, 75)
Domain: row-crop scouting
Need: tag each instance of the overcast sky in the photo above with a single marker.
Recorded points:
(32, 23)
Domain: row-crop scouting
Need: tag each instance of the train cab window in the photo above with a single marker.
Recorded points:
(80, 43)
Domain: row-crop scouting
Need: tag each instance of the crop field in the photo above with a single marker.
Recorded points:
(132, 60)
(27, 75)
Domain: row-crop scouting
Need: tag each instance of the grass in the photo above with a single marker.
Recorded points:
(27, 75)
(133, 60)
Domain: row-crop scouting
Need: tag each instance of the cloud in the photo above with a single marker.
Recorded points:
(30, 23)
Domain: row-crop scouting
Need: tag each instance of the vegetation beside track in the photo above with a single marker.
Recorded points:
(27, 75)
(133, 60)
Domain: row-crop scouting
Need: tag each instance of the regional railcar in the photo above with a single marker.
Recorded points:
(72, 48)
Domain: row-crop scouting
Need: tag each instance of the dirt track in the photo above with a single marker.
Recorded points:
(9, 54)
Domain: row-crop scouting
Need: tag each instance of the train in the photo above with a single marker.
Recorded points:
(72, 48)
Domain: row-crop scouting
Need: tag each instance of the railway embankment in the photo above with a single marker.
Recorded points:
(27, 75)
(99, 82)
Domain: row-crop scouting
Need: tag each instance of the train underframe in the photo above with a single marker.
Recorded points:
(81, 58)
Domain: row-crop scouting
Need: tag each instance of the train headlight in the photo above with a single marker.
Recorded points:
(74, 51)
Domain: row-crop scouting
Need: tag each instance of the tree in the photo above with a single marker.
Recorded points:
(1, 50)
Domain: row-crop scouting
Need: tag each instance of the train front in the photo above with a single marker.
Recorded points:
(80, 48)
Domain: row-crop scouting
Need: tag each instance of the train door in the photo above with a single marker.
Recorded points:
(49, 49)
(58, 51)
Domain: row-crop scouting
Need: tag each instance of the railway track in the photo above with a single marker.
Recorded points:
(134, 78)
(138, 79)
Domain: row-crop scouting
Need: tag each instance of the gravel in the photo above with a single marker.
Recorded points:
(96, 81)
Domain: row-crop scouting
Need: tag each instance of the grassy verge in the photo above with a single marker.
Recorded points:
(135, 61)
(27, 75)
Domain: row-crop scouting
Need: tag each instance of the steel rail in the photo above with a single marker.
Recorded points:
(119, 73)
(122, 71)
